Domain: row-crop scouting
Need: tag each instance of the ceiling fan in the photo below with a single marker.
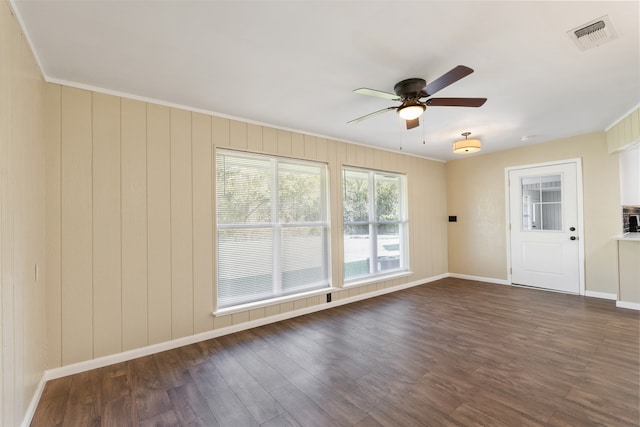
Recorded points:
(411, 92)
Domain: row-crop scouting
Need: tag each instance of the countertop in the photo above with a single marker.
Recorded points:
(632, 237)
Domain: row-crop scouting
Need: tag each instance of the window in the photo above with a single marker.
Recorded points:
(375, 222)
(272, 227)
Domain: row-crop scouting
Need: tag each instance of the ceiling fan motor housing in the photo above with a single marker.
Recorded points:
(410, 88)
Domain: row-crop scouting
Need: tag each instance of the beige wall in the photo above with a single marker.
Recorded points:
(130, 248)
(476, 193)
(22, 93)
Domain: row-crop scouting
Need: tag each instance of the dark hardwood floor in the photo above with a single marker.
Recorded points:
(452, 352)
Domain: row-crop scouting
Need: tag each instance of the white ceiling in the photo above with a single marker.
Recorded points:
(294, 64)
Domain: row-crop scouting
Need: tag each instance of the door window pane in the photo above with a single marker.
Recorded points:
(542, 203)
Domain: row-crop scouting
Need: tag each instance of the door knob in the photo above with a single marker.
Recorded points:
(572, 229)
(573, 238)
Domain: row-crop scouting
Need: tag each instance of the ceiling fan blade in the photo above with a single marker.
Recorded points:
(413, 123)
(456, 102)
(375, 113)
(378, 93)
(446, 79)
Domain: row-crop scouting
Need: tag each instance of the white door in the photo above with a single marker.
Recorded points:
(544, 234)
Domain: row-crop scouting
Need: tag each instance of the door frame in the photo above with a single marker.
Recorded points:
(579, 189)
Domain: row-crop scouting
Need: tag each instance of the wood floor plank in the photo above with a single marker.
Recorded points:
(152, 402)
(282, 420)
(171, 371)
(370, 421)
(452, 352)
(512, 407)
(116, 382)
(621, 410)
(151, 397)
(164, 419)
(468, 415)
(389, 415)
(255, 398)
(301, 408)
(571, 414)
(84, 402)
(119, 412)
(349, 389)
(222, 401)
(342, 410)
(255, 366)
(53, 402)
(190, 407)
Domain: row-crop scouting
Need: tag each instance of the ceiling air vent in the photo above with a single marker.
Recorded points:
(594, 33)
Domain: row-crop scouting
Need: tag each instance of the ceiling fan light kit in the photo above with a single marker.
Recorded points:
(466, 145)
(411, 112)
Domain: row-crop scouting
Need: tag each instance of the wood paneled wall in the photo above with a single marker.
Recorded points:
(22, 226)
(625, 132)
(130, 212)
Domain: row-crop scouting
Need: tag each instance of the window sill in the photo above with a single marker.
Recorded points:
(272, 301)
(377, 278)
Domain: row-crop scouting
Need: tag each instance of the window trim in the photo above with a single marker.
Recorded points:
(239, 308)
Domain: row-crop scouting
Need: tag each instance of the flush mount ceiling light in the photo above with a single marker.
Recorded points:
(411, 110)
(466, 146)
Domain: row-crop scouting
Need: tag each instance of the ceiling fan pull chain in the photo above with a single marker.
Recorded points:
(400, 130)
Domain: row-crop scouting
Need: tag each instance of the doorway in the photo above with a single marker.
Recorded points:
(544, 207)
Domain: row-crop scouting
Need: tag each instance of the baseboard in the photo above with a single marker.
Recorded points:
(179, 342)
(629, 305)
(31, 409)
(592, 294)
(479, 278)
(169, 345)
(601, 295)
